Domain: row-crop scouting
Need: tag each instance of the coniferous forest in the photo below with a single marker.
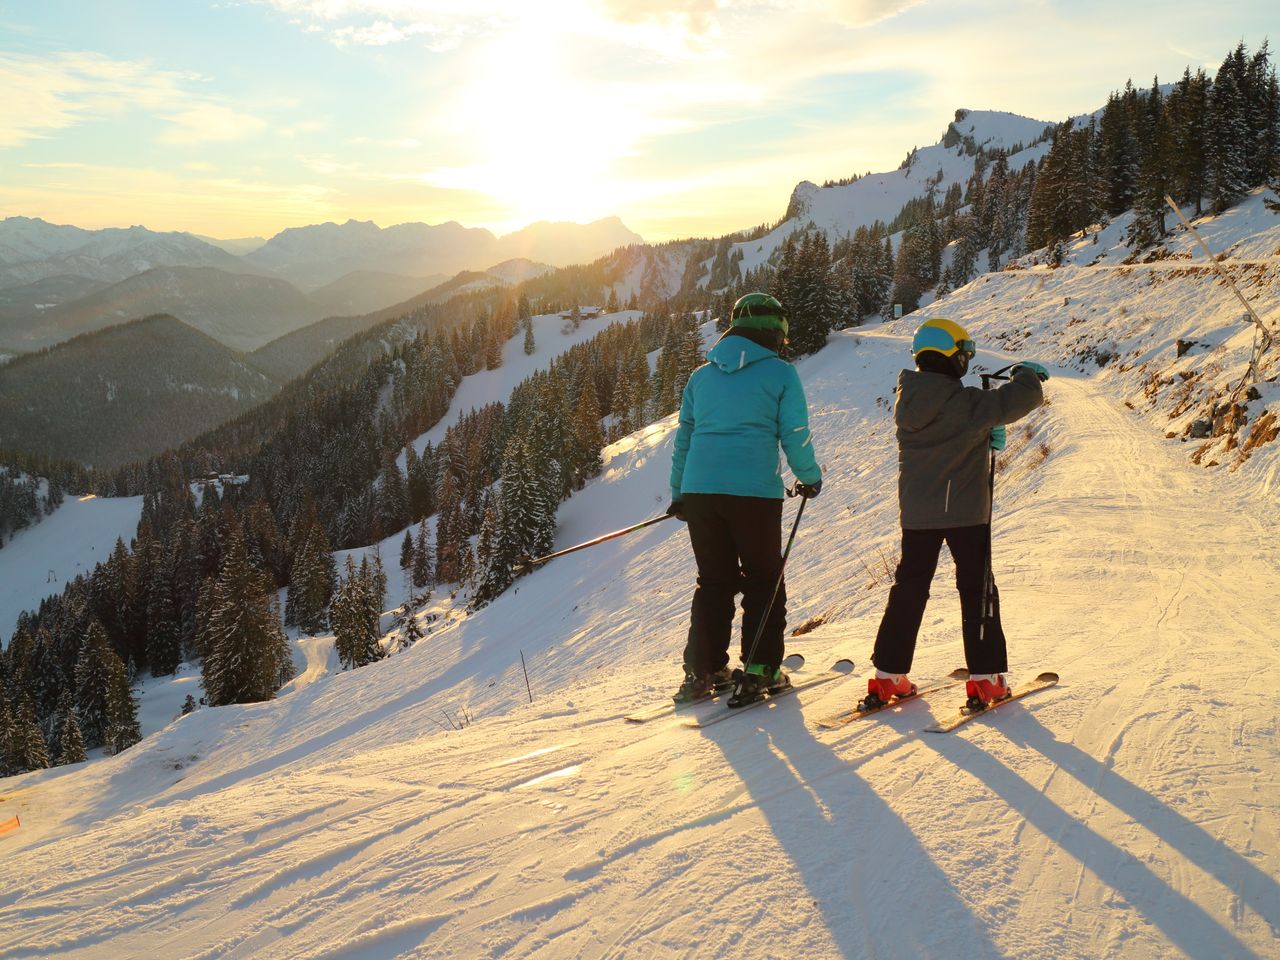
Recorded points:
(336, 459)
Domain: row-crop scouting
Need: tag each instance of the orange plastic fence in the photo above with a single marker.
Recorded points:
(9, 825)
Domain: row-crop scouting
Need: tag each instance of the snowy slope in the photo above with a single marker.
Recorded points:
(70, 541)
(1129, 812)
(840, 210)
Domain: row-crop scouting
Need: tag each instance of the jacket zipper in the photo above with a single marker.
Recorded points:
(946, 504)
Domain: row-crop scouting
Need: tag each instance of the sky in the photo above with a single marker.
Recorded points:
(241, 118)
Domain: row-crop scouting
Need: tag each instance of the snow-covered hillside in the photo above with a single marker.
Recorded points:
(1129, 812)
(69, 542)
(840, 209)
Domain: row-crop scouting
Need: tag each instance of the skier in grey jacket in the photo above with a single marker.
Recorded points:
(945, 434)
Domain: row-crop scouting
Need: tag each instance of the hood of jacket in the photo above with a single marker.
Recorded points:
(921, 397)
(733, 353)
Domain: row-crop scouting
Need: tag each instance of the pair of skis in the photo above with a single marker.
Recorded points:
(947, 724)
(842, 668)
(719, 708)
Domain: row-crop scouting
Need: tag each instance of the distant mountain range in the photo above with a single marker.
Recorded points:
(57, 281)
(316, 255)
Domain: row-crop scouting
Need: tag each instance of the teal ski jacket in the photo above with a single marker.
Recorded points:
(735, 412)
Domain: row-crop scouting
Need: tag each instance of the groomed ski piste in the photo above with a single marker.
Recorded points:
(1129, 811)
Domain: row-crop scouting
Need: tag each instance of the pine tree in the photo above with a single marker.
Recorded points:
(1228, 135)
(529, 345)
(492, 557)
(164, 646)
(93, 675)
(248, 656)
(122, 729)
(32, 753)
(355, 618)
(422, 558)
(70, 739)
(406, 550)
(1153, 182)
(10, 756)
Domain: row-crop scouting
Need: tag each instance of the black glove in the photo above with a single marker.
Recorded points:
(809, 490)
(676, 509)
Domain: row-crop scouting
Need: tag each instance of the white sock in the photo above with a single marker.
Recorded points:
(895, 677)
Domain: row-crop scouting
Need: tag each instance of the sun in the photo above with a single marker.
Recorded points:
(536, 139)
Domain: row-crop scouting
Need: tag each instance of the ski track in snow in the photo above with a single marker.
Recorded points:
(1130, 811)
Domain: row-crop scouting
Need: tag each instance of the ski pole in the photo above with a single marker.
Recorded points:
(988, 577)
(524, 565)
(777, 585)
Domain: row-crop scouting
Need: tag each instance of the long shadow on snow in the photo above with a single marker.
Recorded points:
(1258, 890)
(864, 867)
(1187, 925)
(364, 722)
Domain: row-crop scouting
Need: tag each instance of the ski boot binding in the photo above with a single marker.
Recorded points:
(983, 689)
(884, 687)
(698, 687)
(755, 683)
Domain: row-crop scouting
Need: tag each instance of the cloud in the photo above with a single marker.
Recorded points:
(47, 94)
(695, 16)
(44, 94)
(209, 122)
(864, 13)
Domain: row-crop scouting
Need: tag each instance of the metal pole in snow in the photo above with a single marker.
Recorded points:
(526, 676)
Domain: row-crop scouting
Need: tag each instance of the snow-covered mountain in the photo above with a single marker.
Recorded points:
(840, 209)
(315, 255)
(32, 250)
(423, 807)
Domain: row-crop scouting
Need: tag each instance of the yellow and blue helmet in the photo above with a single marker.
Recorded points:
(943, 336)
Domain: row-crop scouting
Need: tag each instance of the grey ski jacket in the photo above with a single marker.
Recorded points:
(944, 431)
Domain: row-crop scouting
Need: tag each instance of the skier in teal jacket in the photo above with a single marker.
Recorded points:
(726, 483)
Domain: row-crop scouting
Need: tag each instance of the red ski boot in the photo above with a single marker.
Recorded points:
(884, 687)
(985, 688)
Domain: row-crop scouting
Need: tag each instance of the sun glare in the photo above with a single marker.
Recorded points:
(533, 136)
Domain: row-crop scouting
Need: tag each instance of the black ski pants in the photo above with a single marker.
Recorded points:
(737, 542)
(984, 650)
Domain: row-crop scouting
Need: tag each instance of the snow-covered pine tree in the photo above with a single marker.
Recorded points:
(355, 616)
(392, 502)
(248, 652)
(92, 680)
(32, 753)
(422, 557)
(1228, 135)
(494, 565)
(813, 307)
(122, 729)
(70, 739)
(406, 550)
(586, 435)
(9, 752)
(1153, 182)
(164, 645)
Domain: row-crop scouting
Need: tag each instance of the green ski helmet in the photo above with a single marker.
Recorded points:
(759, 311)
